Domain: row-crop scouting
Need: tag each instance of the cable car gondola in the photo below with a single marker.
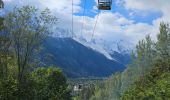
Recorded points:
(104, 4)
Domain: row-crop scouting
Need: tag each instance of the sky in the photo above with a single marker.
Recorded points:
(129, 20)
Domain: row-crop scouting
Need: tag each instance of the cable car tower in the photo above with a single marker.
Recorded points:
(104, 4)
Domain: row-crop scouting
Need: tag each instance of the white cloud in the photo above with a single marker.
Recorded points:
(61, 8)
(111, 26)
(59, 5)
(116, 27)
(144, 7)
(149, 5)
(161, 6)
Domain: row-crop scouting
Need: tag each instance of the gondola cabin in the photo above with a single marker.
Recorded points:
(104, 4)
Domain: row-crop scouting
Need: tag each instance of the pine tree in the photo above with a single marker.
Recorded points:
(163, 41)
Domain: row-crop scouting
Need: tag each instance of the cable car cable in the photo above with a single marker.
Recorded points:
(72, 21)
(83, 21)
(95, 25)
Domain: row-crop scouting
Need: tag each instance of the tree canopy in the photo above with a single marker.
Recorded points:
(24, 29)
(146, 77)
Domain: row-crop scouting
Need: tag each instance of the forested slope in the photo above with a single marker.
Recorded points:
(146, 78)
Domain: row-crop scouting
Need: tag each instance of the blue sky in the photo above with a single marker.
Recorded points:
(146, 18)
(129, 20)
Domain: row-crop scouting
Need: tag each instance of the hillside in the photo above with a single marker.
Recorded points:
(77, 60)
(150, 87)
(145, 78)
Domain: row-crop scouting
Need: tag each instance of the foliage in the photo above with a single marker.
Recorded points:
(150, 87)
(147, 77)
(27, 28)
(105, 92)
(155, 84)
(8, 88)
(23, 31)
(86, 92)
(117, 84)
(50, 84)
(1, 23)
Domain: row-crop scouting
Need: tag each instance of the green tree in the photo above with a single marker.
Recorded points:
(154, 85)
(8, 88)
(163, 42)
(8, 85)
(86, 92)
(1, 19)
(143, 61)
(51, 84)
(22, 32)
(27, 28)
(163, 46)
(109, 90)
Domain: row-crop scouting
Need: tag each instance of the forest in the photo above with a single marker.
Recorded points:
(22, 77)
(146, 78)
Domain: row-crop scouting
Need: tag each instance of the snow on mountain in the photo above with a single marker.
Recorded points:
(95, 47)
(107, 48)
(78, 59)
(119, 46)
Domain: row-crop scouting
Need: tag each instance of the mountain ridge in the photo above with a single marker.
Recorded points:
(78, 60)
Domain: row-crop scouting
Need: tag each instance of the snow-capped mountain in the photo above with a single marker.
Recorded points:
(108, 48)
(95, 47)
(103, 46)
(80, 59)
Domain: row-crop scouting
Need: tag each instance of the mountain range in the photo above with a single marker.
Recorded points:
(79, 58)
